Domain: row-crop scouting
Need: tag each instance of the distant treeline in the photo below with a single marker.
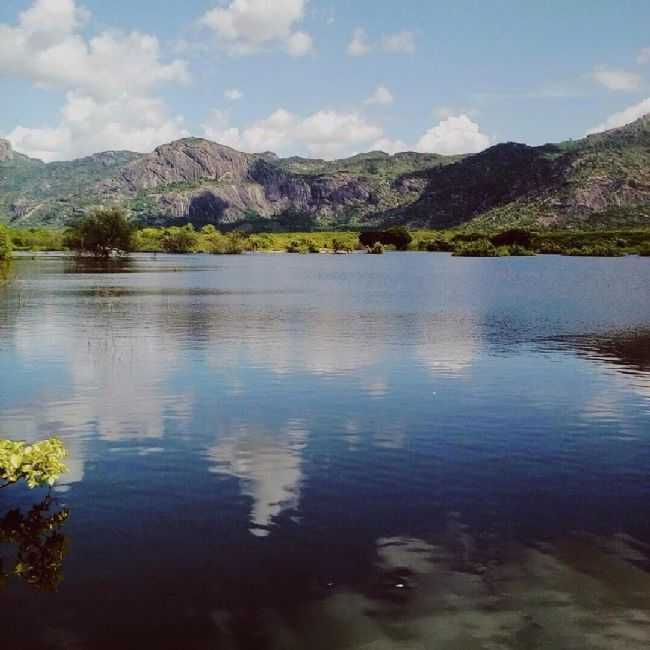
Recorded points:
(459, 242)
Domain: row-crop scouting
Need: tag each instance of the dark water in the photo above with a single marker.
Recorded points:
(274, 451)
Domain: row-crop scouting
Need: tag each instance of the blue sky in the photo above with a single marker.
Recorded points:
(323, 78)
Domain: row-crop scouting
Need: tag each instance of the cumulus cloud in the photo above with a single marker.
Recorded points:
(454, 135)
(233, 94)
(644, 56)
(88, 125)
(381, 96)
(623, 117)
(109, 81)
(399, 43)
(248, 26)
(325, 133)
(46, 47)
(616, 79)
(299, 44)
(359, 45)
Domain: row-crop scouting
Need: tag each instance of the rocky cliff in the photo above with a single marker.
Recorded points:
(603, 178)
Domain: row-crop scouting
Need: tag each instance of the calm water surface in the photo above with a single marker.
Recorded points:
(274, 451)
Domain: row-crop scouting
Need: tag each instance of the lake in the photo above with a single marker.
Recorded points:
(283, 451)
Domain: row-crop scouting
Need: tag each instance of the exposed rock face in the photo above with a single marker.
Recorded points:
(185, 161)
(6, 152)
(204, 182)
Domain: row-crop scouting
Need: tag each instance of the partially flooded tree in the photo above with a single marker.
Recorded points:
(104, 232)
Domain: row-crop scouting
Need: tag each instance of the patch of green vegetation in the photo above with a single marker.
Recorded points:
(38, 464)
(6, 244)
(102, 233)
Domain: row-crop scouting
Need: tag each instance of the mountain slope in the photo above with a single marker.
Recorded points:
(601, 179)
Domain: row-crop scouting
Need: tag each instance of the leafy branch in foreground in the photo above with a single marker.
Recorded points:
(39, 464)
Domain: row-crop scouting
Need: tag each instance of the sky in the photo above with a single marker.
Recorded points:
(318, 78)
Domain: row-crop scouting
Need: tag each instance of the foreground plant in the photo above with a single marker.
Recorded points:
(39, 464)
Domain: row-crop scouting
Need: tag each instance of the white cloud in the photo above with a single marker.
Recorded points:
(47, 48)
(299, 44)
(325, 133)
(233, 94)
(109, 81)
(453, 135)
(615, 78)
(359, 45)
(623, 117)
(644, 56)
(390, 146)
(248, 26)
(88, 125)
(381, 96)
(399, 43)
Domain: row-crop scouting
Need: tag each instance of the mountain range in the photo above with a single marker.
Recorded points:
(600, 180)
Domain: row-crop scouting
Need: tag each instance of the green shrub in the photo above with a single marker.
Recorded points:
(5, 243)
(516, 250)
(179, 239)
(376, 249)
(399, 237)
(435, 245)
(303, 245)
(478, 248)
(38, 464)
(103, 232)
(513, 237)
(597, 250)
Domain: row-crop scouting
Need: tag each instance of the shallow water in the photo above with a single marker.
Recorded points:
(407, 450)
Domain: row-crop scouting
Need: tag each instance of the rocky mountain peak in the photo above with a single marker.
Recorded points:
(186, 161)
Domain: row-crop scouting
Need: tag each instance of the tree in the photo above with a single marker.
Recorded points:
(5, 243)
(104, 232)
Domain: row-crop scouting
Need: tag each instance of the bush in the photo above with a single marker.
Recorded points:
(517, 250)
(5, 243)
(377, 249)
(339, 246)
(102, 233)
(513, 237)
(179, 239)
(38, 464)
(644, 251)
(302, 246)
(597, 250)
(399, 237)
(435, 245)
(478, 248)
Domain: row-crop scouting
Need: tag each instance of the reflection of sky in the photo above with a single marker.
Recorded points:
(269, 465)
(239, 364)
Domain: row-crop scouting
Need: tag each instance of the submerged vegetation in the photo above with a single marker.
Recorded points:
(107, 232)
